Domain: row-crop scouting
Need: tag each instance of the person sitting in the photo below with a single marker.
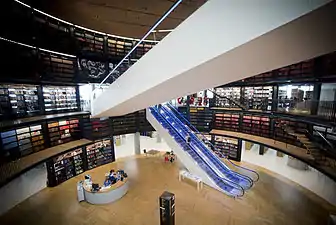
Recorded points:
(107, 182)
(166, 159)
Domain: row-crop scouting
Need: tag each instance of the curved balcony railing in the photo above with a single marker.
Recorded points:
(34, 27)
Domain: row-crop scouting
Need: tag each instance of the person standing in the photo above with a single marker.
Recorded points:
(188, 139)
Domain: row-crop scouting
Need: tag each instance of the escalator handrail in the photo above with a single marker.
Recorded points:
(195, 130)
(218, 161)
(226, 181)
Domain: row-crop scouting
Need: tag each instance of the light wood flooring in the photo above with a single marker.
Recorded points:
(270, 201)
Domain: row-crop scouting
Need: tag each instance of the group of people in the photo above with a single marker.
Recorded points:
(114, 176)
(169, 157)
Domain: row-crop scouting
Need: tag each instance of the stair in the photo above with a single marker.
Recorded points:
(312, 148)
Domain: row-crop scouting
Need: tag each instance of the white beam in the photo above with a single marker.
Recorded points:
(222, 42)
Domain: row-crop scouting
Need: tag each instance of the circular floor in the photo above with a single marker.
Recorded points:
(270, 201)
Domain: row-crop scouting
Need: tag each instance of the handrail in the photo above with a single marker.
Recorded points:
(84, 28)
(323, 138)
(226, 181)
(230, 100)
(164, 16)
(195, 129)
(242, 176)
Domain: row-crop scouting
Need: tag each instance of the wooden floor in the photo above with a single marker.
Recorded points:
(270, 201)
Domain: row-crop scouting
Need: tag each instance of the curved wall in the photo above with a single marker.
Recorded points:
(310, 179)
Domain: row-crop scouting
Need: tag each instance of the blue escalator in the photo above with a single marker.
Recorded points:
(240, 169)
(225, 185)
(211, 159)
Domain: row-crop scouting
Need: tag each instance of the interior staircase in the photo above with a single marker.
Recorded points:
(311, 147)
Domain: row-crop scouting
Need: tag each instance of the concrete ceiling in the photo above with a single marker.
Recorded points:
(122, 17)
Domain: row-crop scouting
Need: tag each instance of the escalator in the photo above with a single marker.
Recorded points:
(224, 171)
(231, 165)
(188, 154)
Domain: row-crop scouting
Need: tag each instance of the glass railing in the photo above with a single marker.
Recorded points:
(320, 109)
(242, 170)
(207, 154)
(225, 185)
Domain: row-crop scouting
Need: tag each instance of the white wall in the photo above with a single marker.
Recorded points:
(22, 187)
(127, 145)
(311, 179)
(218, 44)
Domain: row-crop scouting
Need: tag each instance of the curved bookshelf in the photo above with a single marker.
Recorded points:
(46, 49)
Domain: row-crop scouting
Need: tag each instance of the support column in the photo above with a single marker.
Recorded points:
(158, 138)
(275, 100)
(188, 108)
(137, 149)
(261, 149)
(316, 97)
(239, 152)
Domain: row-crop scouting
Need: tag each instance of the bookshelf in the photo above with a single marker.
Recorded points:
(144, 125)
(5, 107)
(68, 165)
(256, 125)
(183, 110)
(227, 121)
(227, 147)
(22, 141)
(89, 41)
(78, 160)
(63, 131)
(18, 100)
(233, 93)
(201, 118)
(259, 98)
(124, 124)
(59, 98)
(99, 153)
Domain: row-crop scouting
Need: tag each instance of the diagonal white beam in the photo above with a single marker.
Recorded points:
(223, 41)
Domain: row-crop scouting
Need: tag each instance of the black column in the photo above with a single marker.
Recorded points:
(40, 99)
(78, 99)
(242, 96)
(188, 108)
(105, 45)
(272, 127)
(275, 95)
(137, 121)
(316, 97)
(239, 150)
(45, 132)
(240, 122)
(112, 149)
(51, 178)
(261, 149)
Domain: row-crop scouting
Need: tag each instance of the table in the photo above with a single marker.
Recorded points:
(153, 152)
(185, 174)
